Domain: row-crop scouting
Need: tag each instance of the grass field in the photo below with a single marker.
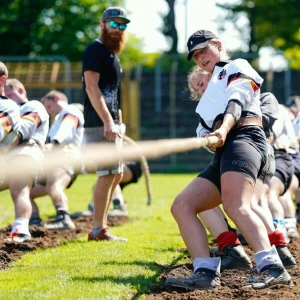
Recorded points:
(101, 270)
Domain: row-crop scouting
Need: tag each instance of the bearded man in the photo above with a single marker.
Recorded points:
(101, 85)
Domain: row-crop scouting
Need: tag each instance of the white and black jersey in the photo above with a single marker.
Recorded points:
(234, 80)
(9, 116)
(34, 123)
(284, 133)
(67, 127)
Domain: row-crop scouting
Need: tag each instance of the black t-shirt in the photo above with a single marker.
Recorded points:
(97, 58)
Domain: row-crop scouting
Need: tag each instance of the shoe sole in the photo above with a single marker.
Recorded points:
(190, 288)
(54, 227)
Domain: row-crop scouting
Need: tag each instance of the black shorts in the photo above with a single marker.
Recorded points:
(296, 163)
(270, 166)
(136, 170)
(284, 168)
(245, 151)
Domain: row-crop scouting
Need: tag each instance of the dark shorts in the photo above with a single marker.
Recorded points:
(270, 166)
(136, 170)
(296, 162)
(245, 151)
(284, 168)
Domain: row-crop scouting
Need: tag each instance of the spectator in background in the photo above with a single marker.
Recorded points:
(132, 172)
(27, 156)
(101, 84)
(64, 140)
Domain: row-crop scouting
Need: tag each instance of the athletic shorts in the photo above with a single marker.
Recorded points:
(69, 169)
(71, 162)
(136, 170)
(296, 162)
(270, 166)
(284, 168)
(245, 151)
(95, 135)
(26, 160)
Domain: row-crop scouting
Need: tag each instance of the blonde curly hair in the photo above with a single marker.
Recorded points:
(195, 72)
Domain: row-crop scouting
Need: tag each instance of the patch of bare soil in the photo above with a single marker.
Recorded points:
(43, 238)
(231, 281)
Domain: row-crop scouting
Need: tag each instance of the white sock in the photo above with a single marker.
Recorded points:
(117, 194)
(212, 263)
(267, 257)
(21, 225)
(290, 223)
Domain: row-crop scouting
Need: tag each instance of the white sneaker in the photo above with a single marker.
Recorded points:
(279, 225)
(291, 226)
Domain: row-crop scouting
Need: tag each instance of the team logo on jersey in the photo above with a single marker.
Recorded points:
(222, 74)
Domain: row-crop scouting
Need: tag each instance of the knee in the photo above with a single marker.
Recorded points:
(51, 189)
(176, 207)
(181, 208)
(234, 211)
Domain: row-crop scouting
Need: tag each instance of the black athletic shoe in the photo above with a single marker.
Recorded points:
(241, 238)
(286, 257)
(235, 257)
(269, 276)
(36, 222)
(62, 221)
(202, 279)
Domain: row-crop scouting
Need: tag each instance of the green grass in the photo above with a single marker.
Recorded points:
(101, 270)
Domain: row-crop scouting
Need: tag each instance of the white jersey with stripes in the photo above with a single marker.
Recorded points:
(34, 123)
(9, 116)
(67, 127)
(233, 80)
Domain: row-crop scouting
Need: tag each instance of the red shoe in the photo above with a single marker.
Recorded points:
(105, 235)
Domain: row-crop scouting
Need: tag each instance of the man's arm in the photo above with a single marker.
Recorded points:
(98, 102)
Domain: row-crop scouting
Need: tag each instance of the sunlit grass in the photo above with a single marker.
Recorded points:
(101, 270)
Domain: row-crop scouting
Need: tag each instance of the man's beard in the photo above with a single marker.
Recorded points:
(114, 42)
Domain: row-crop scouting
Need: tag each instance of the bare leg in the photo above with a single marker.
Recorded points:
(214, 221)
(102, 197)
(263, 212)
(37, 191)
(198, 196)
(276, 189)
(56, 183)
(237, 204)
(286, 199)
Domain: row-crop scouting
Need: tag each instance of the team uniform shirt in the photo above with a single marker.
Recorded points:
(97, 58)
(245, 148)
(296, 124)
(67, 127)
(34, 126)
(285, 138)
(67, 130)
(234, 80)
(9, 117)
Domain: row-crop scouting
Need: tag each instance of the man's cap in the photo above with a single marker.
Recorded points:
(115, 12)
(198, 40)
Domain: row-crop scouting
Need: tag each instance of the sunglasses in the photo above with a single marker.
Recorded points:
(113, 24)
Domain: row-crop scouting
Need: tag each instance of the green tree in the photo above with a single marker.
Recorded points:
(56, 27)
(18, 18)
(169, 28)
(272, 23)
